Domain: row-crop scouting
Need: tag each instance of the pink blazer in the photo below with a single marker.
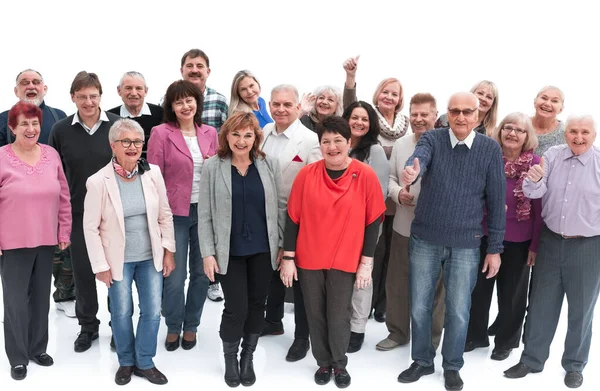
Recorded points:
(168, 150)
(104, 224)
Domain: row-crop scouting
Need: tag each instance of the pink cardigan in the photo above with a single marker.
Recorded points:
(168, 150)
(35, 206)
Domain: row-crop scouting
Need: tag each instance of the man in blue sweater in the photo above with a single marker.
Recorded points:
(462, 177)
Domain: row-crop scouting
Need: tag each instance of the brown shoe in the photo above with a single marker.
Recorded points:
(123, 375)
(153, 375)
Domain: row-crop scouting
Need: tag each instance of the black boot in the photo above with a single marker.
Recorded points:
(232, 369)
(247, 375)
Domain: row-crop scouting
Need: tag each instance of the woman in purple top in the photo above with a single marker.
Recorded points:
(517, 138)
(35, 216)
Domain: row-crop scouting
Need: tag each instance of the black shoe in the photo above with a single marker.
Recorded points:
(341, 377)
(113, 347)
(18, 372)
(356, 341)
(452, 380)
(518, 371)
(123, 375)
(500, 354)
(415, 372)
(43, 360)
(493, 329)
(232, 366)
(323, 375)
(271, 328)
(247, 375)
(573, 379)
(153, 375)
(187, 345)
(171, 346)
(84, 340)
(472, 345)
(298, 350)
(379, 317)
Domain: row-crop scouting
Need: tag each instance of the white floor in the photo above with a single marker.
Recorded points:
(202, 367)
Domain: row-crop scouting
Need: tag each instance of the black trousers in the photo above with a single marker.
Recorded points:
(26, 281)
(328, 304)
(86, 304)
(276, 301)
(245, 287)
(380, 265)
(512, 284)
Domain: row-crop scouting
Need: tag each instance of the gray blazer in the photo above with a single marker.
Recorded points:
(214, 208)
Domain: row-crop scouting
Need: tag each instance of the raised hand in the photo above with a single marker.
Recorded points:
(411, 173)
(537, 171)
(350, 65)
(307, 103)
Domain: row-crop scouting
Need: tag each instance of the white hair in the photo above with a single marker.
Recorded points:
(133, 74)
(286, 87)
(124, 125)
(580, 118)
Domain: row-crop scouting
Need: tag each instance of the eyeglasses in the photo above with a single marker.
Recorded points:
(465, 112)
(84, 98)
(126, 143)
(508, 129)
(35, 82)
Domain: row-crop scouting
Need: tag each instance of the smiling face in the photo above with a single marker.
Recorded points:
(30, 88)
(27, 131)
(249, 92)
(284, 108)
(359, 122)
(326, 103)
(388, 98)
(241, 142)
(132, 91)
(486, 98)
(185, 109)
(127, 156)
(548, 103)
(580, 135)
(462, 114)
(334, 148)
(87, 101)
(422, 118)
(196, 71)
(513, 136)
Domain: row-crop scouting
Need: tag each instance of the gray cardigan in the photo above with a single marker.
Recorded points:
(214, 208)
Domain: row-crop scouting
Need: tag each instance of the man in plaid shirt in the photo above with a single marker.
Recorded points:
(195, 68)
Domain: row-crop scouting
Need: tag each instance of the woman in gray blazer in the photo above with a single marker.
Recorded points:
(240, 224)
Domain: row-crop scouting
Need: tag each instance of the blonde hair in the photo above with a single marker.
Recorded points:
(380, 88)
(531, 140)
(236, 102)
(490, 118)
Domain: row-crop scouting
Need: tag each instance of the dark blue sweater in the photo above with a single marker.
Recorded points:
(455, 186)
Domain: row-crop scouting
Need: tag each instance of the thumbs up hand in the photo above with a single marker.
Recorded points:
(411, 173)
(537, 171)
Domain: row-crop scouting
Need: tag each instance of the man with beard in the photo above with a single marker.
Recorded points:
(30, 88)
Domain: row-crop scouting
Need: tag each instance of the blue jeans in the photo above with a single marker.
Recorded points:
(136, 350)
(178, 312)
(460, 267)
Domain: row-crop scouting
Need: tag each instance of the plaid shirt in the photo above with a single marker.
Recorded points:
(215, 109)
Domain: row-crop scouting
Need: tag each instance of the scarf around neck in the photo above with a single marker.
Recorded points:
(518, 169)
(398, 130)
(123, 172)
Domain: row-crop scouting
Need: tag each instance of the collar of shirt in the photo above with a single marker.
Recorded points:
(468, 141)
(103, 117)
(124, 113)
(583, 158)
(287, 133)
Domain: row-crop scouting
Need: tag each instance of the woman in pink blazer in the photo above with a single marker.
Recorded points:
(179, 147)
(128, 228)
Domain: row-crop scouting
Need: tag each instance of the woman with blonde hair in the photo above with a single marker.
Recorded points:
(245, 97)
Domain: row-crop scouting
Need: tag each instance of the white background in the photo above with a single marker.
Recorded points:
(431, 46)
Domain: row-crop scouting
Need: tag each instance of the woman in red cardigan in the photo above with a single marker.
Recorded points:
(334, 211)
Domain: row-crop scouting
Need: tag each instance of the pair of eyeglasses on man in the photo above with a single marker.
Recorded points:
(508, 129)
(84, 98)
(126, 143)
(35, 82)
(465, 112)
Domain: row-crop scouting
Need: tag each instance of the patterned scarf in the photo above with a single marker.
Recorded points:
(518, 169)
(392, 133)
(123, 172)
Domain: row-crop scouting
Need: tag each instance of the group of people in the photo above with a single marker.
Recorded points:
(359, 209)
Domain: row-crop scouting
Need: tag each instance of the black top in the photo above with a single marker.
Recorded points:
(248, 216)
(308, 122)
(147, 122)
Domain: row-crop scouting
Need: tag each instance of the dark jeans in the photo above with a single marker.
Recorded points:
(512, 283)
(183, 311)
(328, 304)
(62, 270)
(276, 301)
(26, 279)
(86, 304)
(245, 287)
(380, 265)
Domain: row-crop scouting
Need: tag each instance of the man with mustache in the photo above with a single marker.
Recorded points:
(30, 88)
(132, 89)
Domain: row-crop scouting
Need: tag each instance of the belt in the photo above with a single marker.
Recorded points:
(571, 237)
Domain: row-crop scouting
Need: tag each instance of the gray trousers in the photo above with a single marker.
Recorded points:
(327, 300)
(361, 308)
(26, 281)
(563, 266)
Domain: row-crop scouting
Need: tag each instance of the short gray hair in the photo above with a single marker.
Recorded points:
(132, 74)
(28, 70)
(286, 87)
(578, 118)
(332, 90)
(123, 125)
(546, 88)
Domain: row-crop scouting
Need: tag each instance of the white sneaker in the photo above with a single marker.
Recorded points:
(68, 307)
(214, 292)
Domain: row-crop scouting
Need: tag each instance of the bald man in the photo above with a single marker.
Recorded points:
(462, 173)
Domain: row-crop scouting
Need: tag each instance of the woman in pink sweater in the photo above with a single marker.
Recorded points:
(35, 215)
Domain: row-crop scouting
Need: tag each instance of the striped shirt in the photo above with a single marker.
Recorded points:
(215, 109)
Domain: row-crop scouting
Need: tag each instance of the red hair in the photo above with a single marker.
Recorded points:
(27, 109)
